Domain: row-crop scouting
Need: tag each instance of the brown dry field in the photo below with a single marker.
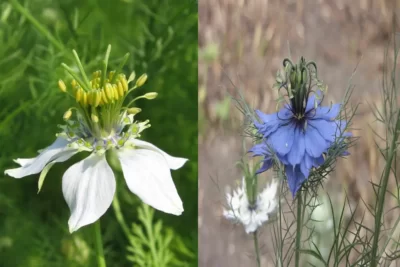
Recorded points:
(249, 40)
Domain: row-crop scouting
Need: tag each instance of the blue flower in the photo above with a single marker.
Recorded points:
(299, 136)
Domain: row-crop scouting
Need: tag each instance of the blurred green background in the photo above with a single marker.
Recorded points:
(162, 39)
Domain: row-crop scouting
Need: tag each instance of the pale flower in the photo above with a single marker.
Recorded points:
(252, 216)
(102, 124)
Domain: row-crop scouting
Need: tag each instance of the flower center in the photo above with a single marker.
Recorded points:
(298, 81)
(101, 120)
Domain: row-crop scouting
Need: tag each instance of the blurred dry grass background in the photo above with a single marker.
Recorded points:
(246, 41)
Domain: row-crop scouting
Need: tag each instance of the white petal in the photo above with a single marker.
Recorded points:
(88, 187)
(23, 162)
(57, 152)
(173, 162)
(148, 176)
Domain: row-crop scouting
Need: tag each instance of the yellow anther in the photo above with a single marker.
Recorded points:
(67, 114)
(97, 98)
(120, 89)
(109, 91)
(95, 119)
(134, 110)
(74, 83)
(132, 77)
(84, 99)
(90, 98)
(150, 95)
(111, 75)
(104, 97)
(142, 79)
(78, 95)
(62, 86)
(96, 74)
(124, 84)
(115, 92)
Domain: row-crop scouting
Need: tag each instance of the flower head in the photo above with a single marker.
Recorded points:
(302, 131)
(251, 215)
(100, 122)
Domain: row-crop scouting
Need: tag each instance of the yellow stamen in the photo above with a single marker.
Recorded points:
(84, 100)
(67, 114)
(109, 92)
(78, 94)
(142, 79)
(104, 97)
(74, 83)
(95, 119)
(115, 92)
(124, 84)
(90, 98)
(134, 110)
(150, 95)
(120, 89)
(132, 77)
(62, 86)
(111, 75)
(97, 98)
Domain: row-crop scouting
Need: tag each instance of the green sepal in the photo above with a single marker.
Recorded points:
(43, 175)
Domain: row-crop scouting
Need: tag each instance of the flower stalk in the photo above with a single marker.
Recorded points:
(101, 262)
(298, 228)
(256, 247)
(382, 194)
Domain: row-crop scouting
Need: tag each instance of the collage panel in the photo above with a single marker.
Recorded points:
(298, 124)
(98, 133)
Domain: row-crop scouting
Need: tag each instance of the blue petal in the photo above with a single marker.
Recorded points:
(305, 168)
(327, 113)
(270, 123)
(345, 153)
(318, 161)
(311, 101)
(266, 118)
(297, 152)
(282, 139)
(260, 150)
(295, 178)
(327, 129)
(283, 159)
(315, 143)
(266, 165)
(308, 162)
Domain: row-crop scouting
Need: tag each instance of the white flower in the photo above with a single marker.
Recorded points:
(250, 215)
(102, 124)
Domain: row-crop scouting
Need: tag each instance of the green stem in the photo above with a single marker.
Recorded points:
(120, 217)
(37, 24)
(101, 262)
(257, 248)
(381, 195)
(298, 229)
